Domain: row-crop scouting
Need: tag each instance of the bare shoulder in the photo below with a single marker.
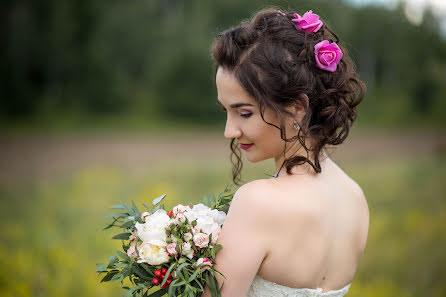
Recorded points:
(363, 214)
(253, 194)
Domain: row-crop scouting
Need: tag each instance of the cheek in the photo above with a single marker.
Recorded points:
(268, 141)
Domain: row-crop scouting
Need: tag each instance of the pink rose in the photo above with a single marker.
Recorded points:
(201, 240)
(309, 22)
(206, 261)
(327, 55)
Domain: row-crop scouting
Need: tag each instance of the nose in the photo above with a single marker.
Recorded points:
(232, 130)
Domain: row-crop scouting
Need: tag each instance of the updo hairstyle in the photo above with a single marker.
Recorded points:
(275, 64)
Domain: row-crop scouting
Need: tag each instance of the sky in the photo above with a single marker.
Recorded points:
(414, 9)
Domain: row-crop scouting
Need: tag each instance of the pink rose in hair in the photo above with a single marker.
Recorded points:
(327, 55)
(309, 22)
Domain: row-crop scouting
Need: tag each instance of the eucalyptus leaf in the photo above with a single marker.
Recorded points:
(117, 215)
(122, 236)
(123, 256)
(147, 207)
(127, 224)
(158, 200)
(101, 267)
(108, 276)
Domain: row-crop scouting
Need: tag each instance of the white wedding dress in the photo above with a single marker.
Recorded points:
(264, 288)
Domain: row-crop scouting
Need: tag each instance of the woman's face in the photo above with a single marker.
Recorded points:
(244, 122)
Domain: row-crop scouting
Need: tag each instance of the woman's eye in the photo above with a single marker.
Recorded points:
(246, 115)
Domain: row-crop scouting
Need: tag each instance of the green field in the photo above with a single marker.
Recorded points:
(52, 238)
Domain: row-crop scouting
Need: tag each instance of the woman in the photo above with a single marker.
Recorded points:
(289, 91)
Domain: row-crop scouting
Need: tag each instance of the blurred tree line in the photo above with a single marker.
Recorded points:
(152, 58)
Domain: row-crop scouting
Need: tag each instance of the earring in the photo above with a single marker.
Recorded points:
(296, 126)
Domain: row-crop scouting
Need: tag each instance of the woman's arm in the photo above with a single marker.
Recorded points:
(243, 240)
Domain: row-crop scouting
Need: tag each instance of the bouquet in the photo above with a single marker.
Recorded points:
(167, 252)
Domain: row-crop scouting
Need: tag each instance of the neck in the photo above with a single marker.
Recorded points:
(295, 149)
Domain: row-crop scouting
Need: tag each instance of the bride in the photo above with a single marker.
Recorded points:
(289, 91)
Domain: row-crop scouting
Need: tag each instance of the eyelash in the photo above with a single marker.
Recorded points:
(243, 115)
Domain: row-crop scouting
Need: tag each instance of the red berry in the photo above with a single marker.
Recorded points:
(163, 271)
(169, 276)
(168, 282)
(162, 276)
(158, 273)
(155, 281)
(164, 286)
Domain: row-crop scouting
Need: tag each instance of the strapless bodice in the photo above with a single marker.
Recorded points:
(263, 288)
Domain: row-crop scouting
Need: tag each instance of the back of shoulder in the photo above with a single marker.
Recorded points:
(363, 216)
(253, 192)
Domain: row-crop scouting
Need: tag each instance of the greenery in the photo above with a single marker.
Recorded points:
(188, 280)
(71, 65)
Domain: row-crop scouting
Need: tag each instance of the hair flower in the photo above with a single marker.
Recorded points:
(309, 22)
(327, 55)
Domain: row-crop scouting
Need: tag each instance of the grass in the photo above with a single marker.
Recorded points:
(52, 238)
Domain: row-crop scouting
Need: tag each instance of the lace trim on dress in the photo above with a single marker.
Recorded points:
(264, 288)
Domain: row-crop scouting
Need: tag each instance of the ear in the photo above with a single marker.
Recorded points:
(299, 107)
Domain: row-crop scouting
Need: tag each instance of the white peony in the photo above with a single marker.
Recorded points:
(153, 230)
(180, 208)
(208, 221)
(152, 254)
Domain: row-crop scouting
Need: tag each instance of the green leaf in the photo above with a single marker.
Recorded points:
(172, 266)
(199, 284)
(130, 292)
(127, 224)
(146, 268)
(181, 267)
(101, 267)
(112, 224)
(158, 293)
(194, 275)
(158, 200)
(147, 207)
(141, 273)
(116, 276)
(112, 260)
(123, 256)
(117, 215)
(119, 206)
(109, 276)
(121, 265)
(123, 236)
(172, 289)
(182, 260)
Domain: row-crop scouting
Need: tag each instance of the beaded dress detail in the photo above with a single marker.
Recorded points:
(264, 288)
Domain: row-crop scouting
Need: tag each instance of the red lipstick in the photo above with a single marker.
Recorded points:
(245, 146)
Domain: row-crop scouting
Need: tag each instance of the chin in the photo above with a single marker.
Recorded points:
(254, 159)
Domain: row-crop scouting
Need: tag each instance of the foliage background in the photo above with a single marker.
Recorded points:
(109, 100)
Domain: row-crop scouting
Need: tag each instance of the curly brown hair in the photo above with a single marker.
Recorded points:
(275, 64)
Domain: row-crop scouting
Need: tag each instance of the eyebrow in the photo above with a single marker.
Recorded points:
(236, 105)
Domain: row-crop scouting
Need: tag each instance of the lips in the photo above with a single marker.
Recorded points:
(246, 146)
